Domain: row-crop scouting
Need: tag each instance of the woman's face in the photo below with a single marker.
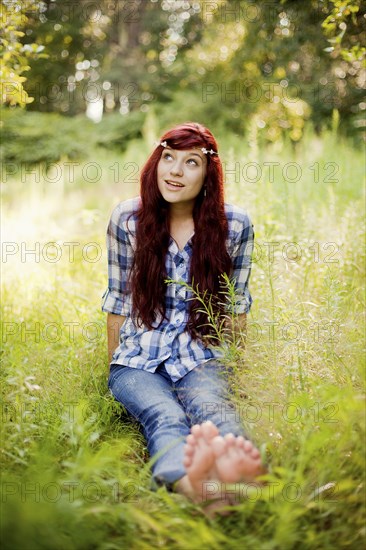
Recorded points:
(181, 174)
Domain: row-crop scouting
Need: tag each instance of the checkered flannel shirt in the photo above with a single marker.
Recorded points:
(170, 342)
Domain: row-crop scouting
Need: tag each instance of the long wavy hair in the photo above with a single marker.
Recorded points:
(210, 258)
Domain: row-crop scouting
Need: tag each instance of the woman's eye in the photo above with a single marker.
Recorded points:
(169, 156)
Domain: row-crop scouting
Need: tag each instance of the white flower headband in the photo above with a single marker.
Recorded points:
(203, 149)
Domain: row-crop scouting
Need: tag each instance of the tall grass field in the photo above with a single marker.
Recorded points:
(75, 470)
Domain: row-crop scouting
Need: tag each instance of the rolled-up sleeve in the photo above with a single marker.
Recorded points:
(242, 262)
(117, 297)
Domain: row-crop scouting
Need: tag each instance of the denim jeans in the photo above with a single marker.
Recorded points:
(166, 410)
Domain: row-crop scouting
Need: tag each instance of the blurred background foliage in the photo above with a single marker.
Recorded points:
(274, 65)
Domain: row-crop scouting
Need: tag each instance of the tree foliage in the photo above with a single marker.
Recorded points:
(345, 28)
(15, 54)
(274, 64)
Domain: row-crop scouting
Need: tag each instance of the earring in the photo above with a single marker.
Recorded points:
(204, 191)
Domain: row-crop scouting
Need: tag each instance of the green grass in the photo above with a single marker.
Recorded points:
(75, 472)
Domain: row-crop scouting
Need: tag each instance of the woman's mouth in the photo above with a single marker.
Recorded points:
(174, 184)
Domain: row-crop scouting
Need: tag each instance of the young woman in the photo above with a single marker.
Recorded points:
(164, 367)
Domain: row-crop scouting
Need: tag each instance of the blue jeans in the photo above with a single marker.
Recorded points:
(166, 410)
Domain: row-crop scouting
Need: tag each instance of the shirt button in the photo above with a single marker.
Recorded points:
(169, 334)
(178, 321)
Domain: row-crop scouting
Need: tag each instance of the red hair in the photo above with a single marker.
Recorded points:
(210, 258)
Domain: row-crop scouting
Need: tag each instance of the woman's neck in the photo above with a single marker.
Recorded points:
(180, 213)
(181, 224)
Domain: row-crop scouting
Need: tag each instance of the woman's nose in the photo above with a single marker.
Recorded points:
(176, 169)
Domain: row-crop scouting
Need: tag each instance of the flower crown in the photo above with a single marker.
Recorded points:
(203, 149)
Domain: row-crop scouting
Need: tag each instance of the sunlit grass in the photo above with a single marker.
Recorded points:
(75, 468)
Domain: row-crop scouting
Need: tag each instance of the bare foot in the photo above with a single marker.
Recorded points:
(236, 459)
(199, 456)
(213, 461)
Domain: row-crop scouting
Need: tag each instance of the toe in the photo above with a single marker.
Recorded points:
(255, 453)
(240, 440)
(189, 450)
(187, 461)
(196, 430)
(218, 445)
(209, 430)
(230, 439)
(191, 440)
(248, 446)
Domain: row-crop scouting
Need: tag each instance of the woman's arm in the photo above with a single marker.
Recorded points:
(114, 323)
(117, 299)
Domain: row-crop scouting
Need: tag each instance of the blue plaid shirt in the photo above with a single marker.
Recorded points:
(170, 343)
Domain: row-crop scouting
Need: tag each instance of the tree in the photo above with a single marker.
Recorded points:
(121, 52)
(274, 62)
(75, 40)
(16, 55)
(271, 59)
